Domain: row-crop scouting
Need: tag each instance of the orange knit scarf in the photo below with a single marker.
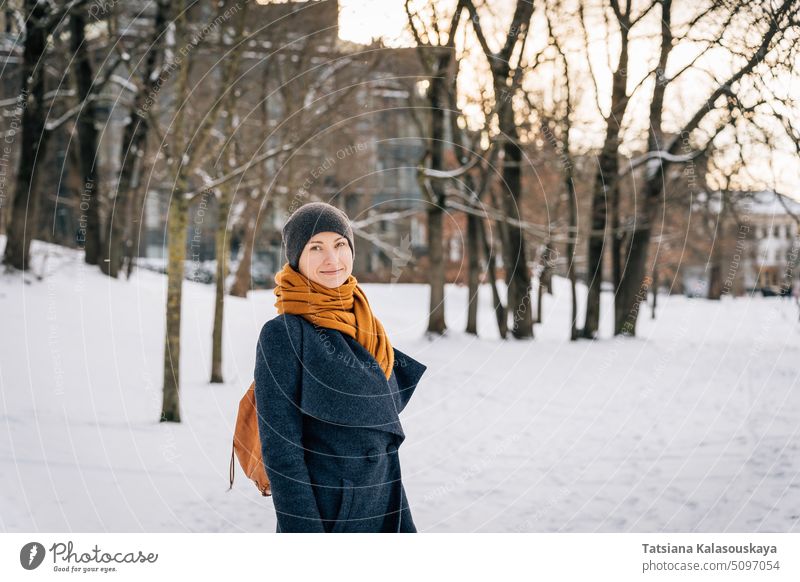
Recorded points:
(344, 308)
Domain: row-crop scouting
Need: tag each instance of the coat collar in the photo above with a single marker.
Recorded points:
(344, 384)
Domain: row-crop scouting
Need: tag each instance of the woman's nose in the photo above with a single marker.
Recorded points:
(330, 256)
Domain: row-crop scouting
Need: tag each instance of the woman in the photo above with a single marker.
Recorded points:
(329, 388)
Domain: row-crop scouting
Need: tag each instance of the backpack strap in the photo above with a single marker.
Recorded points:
(232, 450)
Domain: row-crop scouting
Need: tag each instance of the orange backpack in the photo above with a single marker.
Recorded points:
(247, 443)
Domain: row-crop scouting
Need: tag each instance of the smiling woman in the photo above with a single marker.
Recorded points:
(329, 429)
(318, 240)
(327, 259)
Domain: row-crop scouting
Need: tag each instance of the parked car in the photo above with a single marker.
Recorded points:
(200, 271)
(775, 291)
(159, 265)
(261, 276)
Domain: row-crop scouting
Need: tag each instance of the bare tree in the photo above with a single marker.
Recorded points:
(556, 127)
(184, 152)
(605, 188)
(505, 81)
(120, 246)
(230, 154)
(478, 173)
(663, 153)
(87, 139)
(40, 23)
(437, 55)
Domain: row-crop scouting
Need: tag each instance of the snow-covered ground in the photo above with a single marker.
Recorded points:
(691, 426)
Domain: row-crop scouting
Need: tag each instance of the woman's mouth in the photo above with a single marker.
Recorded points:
(331, 272)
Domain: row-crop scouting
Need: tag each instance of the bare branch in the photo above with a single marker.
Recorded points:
(756, 58)
(448, 174)
(242, 169)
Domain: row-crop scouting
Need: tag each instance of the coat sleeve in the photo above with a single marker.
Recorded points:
(408, 371)
(278, 383)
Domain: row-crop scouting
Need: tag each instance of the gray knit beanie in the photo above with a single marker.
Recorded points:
(308, 220)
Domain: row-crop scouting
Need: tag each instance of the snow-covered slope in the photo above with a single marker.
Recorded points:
(692, 426)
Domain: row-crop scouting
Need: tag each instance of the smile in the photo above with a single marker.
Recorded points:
(331, 272)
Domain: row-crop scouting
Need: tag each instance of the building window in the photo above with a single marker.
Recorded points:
(417, 232)
(455, 249)
(374, 261)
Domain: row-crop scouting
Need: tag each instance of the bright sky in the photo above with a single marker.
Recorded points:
(362, 20)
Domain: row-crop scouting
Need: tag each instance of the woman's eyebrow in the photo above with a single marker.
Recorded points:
(323, 242)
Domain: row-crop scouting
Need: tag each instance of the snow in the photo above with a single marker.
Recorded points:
(653, 166)
(125, 83)
(692, 426)
(769, 203)
(654, 158)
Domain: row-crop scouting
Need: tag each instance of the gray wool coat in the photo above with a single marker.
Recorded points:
(329, 428)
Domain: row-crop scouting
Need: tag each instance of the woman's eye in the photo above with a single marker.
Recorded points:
(316, 247)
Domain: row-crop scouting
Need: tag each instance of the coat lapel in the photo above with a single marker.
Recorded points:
(344, 384)
(407, 372)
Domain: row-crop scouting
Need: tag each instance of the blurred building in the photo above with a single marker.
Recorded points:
(364, 162)
(754, 250)
(772, 264)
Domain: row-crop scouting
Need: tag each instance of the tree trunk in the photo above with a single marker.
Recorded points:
(473, 274)
(617, 238)
(715, 274)
(436, 274)
(221, 251)
(436, 322)
(132, 243)
(605, 191)
(715, 283)
(635, 285)
(120, 247)
(519, 289)
(500, 311)
(241, 284)
(539, 293)
(23, 226)
(594, 263)
(631, 294)
(571, 246)
(176, 232)
(87, 141)
(654, 303)
(545, 278)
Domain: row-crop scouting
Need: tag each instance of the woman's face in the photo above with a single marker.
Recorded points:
(327, 259)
